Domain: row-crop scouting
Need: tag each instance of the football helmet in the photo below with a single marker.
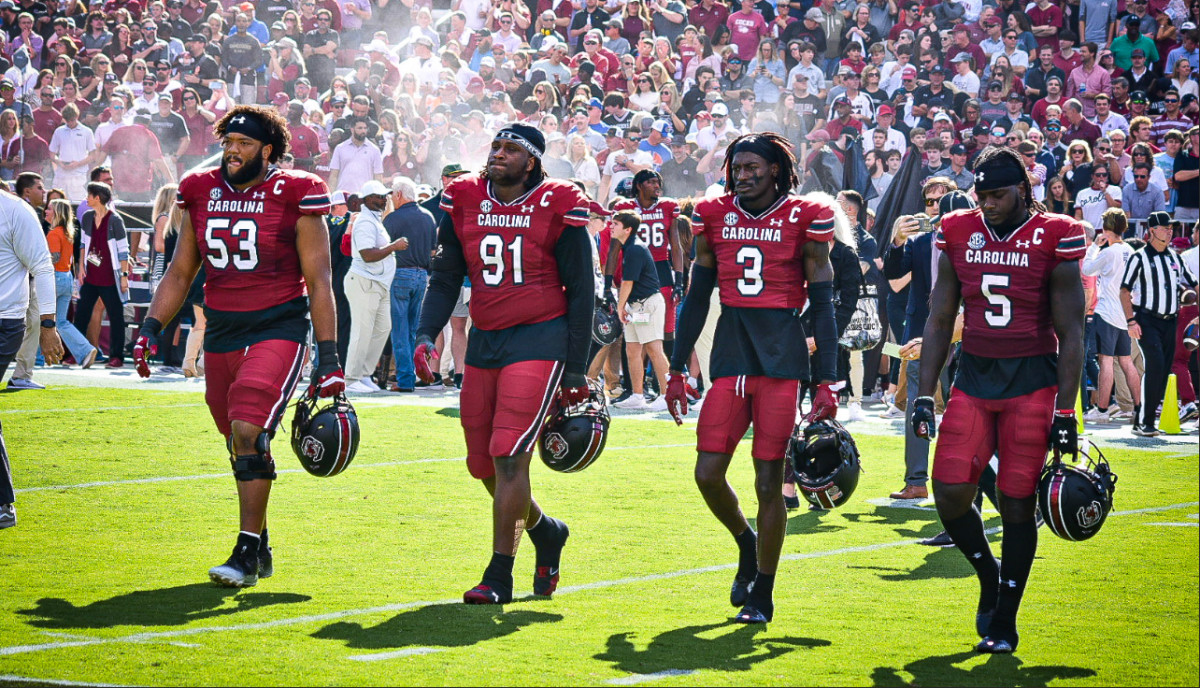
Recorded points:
(606, 322)
(624, 188)
(573, 438)
(1075, 500)
(325, 439)
(826, 462)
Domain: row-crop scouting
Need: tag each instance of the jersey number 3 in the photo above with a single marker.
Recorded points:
(235, 243)
(750, 258)
(999, 311)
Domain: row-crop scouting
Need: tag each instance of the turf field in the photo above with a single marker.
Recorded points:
(125, 500)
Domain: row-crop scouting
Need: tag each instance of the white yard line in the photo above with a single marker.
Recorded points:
(407, 652)
(87, 409)
(635, 679)
(209, 476)
(49, 681)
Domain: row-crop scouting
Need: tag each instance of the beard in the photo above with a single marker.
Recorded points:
(249, 171)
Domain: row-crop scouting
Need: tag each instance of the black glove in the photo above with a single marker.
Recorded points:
(1064, 433)
(327, 378)
(924, 421)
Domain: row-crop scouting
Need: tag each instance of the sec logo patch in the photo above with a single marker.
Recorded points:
(977, 241)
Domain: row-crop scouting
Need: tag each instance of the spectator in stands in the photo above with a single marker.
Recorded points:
(1140, 198)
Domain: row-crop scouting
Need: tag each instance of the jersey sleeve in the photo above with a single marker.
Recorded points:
(698, 227)
(820, 227)
(575, 207)
(1072, 242)
(186, 186)
(314, 196)
(448, 193)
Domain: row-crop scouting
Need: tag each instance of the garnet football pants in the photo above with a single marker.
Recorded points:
(252, 385)
(503, 409)
(973, 429)
(732, 404)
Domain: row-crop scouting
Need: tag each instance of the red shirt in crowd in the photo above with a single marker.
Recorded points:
(37, 155)
(1053, 16)
(133, 148)
(708, 19)
(46, 121)
(200, 133)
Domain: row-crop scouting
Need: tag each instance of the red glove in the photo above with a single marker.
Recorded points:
(422, 355)
(677, 400)
(825, 404)
(573, 389)
(146, 345)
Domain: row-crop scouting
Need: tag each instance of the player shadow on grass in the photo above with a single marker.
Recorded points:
(941, 562)
(805, 522)
(438, 625)
(683, 649)
(997, 670)
(176, 606)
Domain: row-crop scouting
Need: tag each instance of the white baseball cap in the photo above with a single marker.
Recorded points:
(373, 187)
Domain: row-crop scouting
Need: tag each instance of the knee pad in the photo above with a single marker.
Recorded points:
(256, 466)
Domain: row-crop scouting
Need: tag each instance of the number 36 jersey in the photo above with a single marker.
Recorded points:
(1006, 282)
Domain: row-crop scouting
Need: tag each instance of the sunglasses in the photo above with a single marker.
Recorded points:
(1099, 175)
(1028, 155)
(1171, 100)
(931, 202)
(189, 99)
(1141, 176)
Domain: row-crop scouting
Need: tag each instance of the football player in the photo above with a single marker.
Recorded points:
(770, 251)
(1015, 269)
(258, 230)
(522, 239)
(658, 232)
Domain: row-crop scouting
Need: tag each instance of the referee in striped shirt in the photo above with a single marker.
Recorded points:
(1150, 295)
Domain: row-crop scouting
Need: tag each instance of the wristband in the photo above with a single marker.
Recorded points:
(929, 399)
(152, 326)
(326, 352)
(1064, 413)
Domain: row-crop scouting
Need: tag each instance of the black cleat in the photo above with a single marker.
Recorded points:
(545, 575)
(942, 539)
(241, 569)
(486, 594)
(982, 621)
(791, 503)
(996, 646)
(750, 615)
(740, 591)
(266, 561)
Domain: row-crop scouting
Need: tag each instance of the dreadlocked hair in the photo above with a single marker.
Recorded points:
(778, 152)
(1003, 155)
(278, 136)
(535, 177)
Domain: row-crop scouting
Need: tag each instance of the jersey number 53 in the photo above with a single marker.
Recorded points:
(231, 242)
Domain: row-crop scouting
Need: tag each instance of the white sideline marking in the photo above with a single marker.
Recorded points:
(103, 408)
(208, 476)
(50, 681)
(635, 679)
(1177, 525)
(1153, 509)
(407, 652)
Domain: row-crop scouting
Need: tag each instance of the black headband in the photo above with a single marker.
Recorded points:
(757, 145)
(998, 176)
(247, 124)
(510, 134)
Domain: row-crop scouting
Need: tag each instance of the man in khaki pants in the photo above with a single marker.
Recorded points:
(368, 287)
(644, 311)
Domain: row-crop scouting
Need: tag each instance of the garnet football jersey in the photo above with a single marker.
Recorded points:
(760, 258)
(248, 238)
(658, 222)
(1006, 282)
(509, 248)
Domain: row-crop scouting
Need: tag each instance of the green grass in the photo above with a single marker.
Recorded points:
(86, 566)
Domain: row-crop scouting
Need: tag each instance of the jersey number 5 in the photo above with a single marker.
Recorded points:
(236, 243)
(999, 312)
(492, 252)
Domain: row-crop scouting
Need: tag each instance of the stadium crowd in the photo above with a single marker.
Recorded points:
(105, 105)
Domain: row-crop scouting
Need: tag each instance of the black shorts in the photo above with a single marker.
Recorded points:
(12, 332)
(1111, 341)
